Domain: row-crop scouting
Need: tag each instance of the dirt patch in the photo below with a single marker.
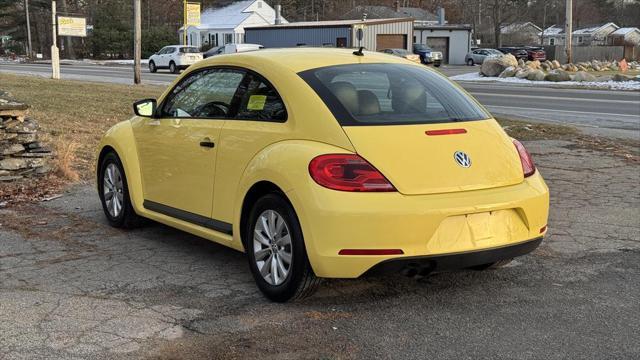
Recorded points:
(527, 131)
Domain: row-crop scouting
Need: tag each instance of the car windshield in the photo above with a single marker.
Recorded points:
(189, 50)
(391, 94)
(494, 52)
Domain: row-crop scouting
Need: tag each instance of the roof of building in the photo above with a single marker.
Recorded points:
(553, 30)
(588, 30)
(227, 17)
(519, 26)
(385, 12)
(625, 30)
(428, 25)
(332, 23)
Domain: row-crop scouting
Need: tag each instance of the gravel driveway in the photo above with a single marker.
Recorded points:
(72, 287)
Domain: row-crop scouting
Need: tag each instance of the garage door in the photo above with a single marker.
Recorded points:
(391, 41)
(440, 44)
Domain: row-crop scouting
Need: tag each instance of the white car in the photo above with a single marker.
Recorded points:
(174, 58)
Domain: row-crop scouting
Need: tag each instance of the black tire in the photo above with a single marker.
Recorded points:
(173, 68)
(494, 265)
(436, 64)
(127, 218)
(301, 281)
(470, 62)
(152, 67)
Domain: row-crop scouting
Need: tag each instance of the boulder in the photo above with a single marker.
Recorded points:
(521, 63)
(583, 76)
(508, 72)
(545, 67)
(558, 76)
(494, 66)
(621, 78)
(522, 73)
(555, 64)
(536, 75)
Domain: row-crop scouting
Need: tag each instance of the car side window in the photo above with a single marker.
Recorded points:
(204, 94)
(260, 101)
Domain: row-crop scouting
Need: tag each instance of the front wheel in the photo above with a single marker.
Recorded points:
(114, 194)
(470, 62)
(152, 67)
(437, 64)
(276, 251)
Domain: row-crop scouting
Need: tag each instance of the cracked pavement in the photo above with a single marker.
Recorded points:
(71, 287)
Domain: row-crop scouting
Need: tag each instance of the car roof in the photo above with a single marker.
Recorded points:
(300, 59)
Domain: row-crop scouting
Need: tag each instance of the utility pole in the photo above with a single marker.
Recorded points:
(137, 40)
(568, 30)
(55, 53)
(184, 31)
(29, 48)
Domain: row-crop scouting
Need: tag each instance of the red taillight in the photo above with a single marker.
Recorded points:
(528, 167)
(347, 172)
(445, 132)
(371, 252)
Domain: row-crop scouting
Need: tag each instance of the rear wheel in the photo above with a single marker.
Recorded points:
(173, 68)
(470, 62)
(152, 67)
(276, 252)
(114, 194)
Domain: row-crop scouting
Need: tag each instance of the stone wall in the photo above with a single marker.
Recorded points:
(21, 152)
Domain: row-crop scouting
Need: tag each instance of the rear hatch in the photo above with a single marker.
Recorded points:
(417, 163)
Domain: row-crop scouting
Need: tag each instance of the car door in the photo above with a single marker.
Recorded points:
(260, 121)
(177, 149)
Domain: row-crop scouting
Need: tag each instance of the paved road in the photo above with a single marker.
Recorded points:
(71, 287)
(609, 113)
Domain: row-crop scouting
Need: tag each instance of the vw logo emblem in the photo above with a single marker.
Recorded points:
(462, 159)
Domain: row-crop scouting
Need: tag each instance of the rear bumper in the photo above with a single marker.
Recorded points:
(420, 226)
(426, 264)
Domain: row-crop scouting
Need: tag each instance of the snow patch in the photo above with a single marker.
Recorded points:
(611, 85)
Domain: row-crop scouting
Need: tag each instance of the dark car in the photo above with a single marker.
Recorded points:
(427, 55)
(518, 52)
(536, 53)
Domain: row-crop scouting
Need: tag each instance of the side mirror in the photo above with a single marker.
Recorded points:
(145, 108)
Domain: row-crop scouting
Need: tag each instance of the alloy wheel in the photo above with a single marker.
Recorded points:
(272, 247)
(112, 189)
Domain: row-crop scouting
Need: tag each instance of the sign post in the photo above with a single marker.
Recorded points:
(137, 41)
(55, 53)
(191, 17)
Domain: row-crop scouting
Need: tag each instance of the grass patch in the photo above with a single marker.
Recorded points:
(74, 115)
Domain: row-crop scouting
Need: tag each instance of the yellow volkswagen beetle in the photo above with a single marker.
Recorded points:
(325, 163)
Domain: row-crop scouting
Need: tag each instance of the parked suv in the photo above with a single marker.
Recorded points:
(427, 55)
(518, 52)
(174, 58)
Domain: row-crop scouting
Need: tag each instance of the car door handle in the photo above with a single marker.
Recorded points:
(207, 143)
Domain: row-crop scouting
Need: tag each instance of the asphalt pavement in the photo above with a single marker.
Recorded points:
(71, 287)
(597, 112)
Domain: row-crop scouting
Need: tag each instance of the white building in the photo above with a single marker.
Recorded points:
(226, 25)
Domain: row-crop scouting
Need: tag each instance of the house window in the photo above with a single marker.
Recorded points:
(552, 41)
(579, 39)
(259, 4)
(228, 38)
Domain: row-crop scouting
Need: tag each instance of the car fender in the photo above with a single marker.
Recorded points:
(286, 165)
(120, 138)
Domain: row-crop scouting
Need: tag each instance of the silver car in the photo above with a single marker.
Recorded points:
(477, 56)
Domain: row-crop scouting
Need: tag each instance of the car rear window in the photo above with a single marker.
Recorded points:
(391, 94)
(189, 50)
